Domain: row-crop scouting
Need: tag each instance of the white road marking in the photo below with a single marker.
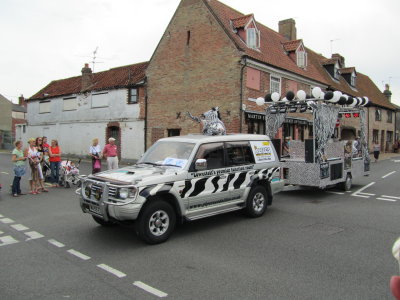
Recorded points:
(366, 194)
(1, 216)
(384, 199)
(19, 227)
(78, 254)
(56, 243)
(396, 160)
(5, 173)
(363, 195)
(1, 232)
(113, 271)
(33, 235)
(393, 197)
(150, 289)
(337, 193)
(388, 174)
(6, 221)
(7, 240)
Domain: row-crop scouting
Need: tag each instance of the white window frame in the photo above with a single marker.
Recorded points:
(301, 56)
(353, 79)
(274, 84)
(253, 38)
(336, 71)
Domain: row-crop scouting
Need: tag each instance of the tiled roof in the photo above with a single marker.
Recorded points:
(347, 70)
(291, 45)
(272, 53)
(241, 21)
(111, 79)
(328, 61)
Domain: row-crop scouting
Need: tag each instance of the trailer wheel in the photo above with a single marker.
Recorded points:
(346, 185)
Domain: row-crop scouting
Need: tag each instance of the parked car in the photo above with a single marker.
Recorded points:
(185, 178)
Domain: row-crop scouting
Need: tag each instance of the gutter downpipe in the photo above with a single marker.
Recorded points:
(244, 64)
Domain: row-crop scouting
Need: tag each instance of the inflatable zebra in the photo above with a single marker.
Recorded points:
(211, 121)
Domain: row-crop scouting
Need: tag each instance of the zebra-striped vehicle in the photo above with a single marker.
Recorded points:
(185, 178)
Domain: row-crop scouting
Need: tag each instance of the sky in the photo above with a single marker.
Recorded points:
(45, 40)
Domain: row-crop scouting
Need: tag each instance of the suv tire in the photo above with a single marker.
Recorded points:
(156, 222)
(102, 222)
(256, 202)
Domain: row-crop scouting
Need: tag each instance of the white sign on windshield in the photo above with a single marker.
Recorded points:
(175, 162)
(262, 151)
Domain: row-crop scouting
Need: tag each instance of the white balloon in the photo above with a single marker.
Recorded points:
(301, 95)
(285, 100)
(316, 92)
(275, 96)
(321, 96)
(366, 100)
(260, 101)
(354, 103)
(336, 96)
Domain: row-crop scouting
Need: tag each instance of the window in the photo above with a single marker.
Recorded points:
(70, 103)
(100, 100)
(174, 132)
(375, 136)
(275, 85)
(213, 153)
(389, 116)
(301, 59)
(389, 137)
(253, 40)
(239, 153)
(44, 107)
(336, 73)
(132, 95)
(378, 115)
(353, 79)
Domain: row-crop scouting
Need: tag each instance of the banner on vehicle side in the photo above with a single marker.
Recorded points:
(263, 151)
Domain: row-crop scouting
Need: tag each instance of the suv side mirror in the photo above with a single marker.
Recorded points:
(200, 164)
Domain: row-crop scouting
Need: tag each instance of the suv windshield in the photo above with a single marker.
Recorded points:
(166, 153)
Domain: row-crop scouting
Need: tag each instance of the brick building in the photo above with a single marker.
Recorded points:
(212, 55)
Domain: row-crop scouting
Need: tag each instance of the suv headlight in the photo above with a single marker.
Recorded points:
(88, 190)
(127, 193)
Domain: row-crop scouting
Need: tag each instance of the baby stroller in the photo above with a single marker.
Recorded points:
(69, 173)
(46, 170)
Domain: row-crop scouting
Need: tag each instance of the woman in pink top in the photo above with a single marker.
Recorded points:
(111, 154)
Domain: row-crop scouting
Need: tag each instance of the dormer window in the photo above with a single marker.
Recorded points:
(350, 75)
(253, 38)
(297, 52)
(246, 28)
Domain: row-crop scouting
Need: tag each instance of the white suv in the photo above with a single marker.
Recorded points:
(185, 178)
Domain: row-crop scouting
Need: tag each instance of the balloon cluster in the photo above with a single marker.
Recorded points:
(335, 97)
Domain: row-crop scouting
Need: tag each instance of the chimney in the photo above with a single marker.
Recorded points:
(21, 101)
(288, 29)
(86, 78)
(387, 92)
(340, 58)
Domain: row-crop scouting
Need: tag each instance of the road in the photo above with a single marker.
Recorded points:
(309, 245)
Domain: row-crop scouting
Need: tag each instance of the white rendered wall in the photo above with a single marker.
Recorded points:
(75, 129)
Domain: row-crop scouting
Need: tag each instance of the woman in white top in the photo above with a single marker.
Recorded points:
(33, 156)
(96, 153)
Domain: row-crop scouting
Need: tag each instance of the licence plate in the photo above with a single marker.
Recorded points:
(95, 209)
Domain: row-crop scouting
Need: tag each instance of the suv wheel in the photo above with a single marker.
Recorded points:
(102, 222)
(156, 222)
(256, 202)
